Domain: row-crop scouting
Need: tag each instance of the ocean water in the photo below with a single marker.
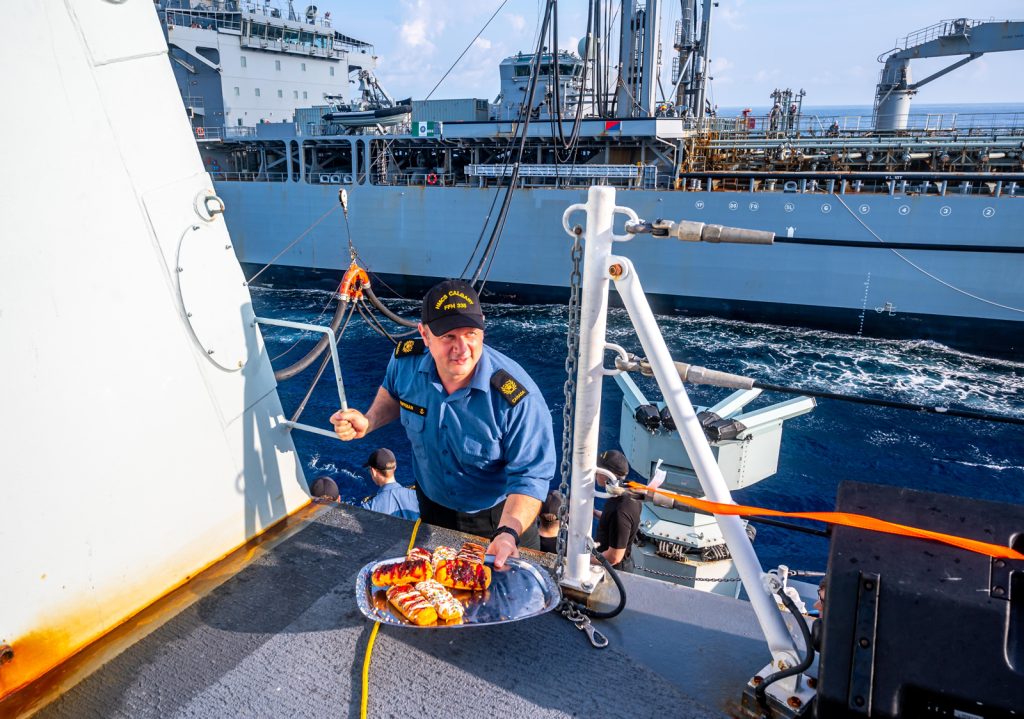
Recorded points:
(837, 441)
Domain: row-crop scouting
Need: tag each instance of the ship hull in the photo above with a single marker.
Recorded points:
(964, 290)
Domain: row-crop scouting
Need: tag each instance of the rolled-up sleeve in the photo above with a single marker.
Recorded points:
(390, 376)
(529, 449)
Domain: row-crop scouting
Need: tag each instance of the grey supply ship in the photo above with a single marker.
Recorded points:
(895, 226)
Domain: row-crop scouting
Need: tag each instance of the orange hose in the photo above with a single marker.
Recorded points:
(846, 519)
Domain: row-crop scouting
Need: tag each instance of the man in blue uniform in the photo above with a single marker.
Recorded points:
(391, 498)
(479, 428)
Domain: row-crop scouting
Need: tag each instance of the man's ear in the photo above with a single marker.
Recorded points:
(424, 333)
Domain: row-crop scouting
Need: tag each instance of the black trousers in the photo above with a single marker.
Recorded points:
(482, 524)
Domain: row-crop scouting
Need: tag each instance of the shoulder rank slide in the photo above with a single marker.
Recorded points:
(409, 347)
(508, 387)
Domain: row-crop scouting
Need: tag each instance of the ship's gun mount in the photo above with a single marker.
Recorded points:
(684, 545)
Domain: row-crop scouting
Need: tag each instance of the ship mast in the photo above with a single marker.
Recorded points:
(689, 67)
(639, 59)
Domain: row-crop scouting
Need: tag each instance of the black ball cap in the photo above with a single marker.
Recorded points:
(450, 305)
(614, 461)
(324, 487)
(382, 459)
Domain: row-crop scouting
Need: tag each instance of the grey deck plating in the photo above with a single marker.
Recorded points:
(284, 637)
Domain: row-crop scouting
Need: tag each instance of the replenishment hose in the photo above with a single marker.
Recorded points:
(318, 349)
(380, 306)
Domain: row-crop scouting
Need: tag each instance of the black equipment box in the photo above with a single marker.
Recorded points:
(914, 628)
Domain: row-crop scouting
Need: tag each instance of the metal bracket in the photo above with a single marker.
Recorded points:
(862, 664)
(1001, 571)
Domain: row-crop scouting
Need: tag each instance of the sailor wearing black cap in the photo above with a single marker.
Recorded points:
(619, 521)
(479, 428)
(391, 498)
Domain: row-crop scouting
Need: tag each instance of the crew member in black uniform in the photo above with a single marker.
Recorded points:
(619, 522)
(549, 522)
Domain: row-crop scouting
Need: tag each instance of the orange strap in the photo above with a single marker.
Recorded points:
(845, 519)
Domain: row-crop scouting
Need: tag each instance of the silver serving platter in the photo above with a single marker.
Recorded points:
(517, 591)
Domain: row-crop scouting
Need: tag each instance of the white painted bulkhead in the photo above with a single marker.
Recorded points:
(131, 457)
(267, 84)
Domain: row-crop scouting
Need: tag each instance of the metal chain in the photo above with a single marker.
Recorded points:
(686, 579)
(572, 346)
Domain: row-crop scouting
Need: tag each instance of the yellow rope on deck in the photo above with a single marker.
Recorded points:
(373, 637)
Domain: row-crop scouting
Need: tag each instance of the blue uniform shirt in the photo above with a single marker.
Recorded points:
(473, 448)
(396, 500)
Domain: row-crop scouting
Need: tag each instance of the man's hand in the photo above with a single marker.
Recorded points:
(502, 547)
(350, 424)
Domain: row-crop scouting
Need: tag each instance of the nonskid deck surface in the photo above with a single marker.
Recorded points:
(284, 637)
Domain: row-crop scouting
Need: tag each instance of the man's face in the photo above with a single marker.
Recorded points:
(455, 353)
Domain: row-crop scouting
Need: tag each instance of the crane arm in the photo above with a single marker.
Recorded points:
(962, 37)
(943, 71)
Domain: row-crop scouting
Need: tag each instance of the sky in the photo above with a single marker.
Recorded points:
(827, 48)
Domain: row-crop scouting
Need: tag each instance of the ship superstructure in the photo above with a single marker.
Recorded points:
(241, 63)
(895, 232)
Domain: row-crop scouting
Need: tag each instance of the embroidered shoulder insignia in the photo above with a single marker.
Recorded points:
(409, 347)
(508, 387)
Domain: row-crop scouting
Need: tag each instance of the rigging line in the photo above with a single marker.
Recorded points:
(483, 229)
(531, 93)
(303, 335)
(487, 219)
(893, 404)
(319, 373)
(375, 325)
(921, 269)
(574, 138)
(414, 331)
(291, 244)
(928, 246)
(495, 14)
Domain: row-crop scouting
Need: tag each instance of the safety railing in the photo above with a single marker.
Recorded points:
(220, 176)
(335, 361)
(824, 125)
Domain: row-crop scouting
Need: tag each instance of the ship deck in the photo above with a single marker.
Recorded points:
(278, 633)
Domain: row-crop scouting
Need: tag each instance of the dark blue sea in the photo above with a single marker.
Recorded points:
(837, 441)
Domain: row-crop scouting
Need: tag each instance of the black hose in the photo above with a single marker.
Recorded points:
(318, 349)
(618, 584)
(375, 301)
(945, 411)
(804, 665)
